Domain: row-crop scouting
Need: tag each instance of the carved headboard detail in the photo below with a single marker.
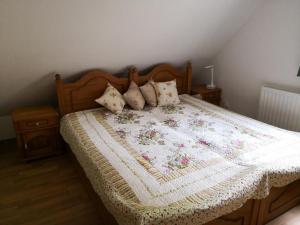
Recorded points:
(80, 95)
(166, 72)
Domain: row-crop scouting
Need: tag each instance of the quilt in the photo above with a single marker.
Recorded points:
(179, 164)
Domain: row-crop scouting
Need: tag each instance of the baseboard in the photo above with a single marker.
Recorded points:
(6, 128)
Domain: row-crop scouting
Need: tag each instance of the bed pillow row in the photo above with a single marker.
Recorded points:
(152, 93)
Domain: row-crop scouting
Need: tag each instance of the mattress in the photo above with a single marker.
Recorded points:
(183, 164)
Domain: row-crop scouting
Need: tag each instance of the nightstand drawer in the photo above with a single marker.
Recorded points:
(38, 123)
(211, 98)
(212, 95)
(214, 101)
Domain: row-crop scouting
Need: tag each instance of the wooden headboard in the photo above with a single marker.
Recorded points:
(166, 72)
(81, 94)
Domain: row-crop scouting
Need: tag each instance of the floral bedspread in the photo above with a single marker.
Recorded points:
(186, 164)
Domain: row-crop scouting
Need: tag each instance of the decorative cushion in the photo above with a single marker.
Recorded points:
(112, 99)
(134, 97)
(166, 93)
(149, 94)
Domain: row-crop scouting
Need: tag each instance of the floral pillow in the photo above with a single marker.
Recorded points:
(112, 99)
(134, 97)
(166, 93)
(149, 94)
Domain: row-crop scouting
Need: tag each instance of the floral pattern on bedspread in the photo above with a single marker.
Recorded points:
(253, 143)
(188, 162)
(177, 137)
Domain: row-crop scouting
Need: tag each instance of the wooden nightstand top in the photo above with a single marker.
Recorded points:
(209, 95)
(28, 113)
(202, 89)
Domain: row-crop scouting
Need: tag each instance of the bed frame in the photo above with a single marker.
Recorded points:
(80, 95)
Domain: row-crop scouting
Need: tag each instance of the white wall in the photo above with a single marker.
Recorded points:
(40, 37)
(265, 50)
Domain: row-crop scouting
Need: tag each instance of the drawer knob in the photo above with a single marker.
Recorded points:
(37, 123)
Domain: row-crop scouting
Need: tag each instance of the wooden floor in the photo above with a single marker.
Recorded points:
(42, 192)
(49, 192)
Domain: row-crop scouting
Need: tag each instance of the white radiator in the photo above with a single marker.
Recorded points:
(280, 108)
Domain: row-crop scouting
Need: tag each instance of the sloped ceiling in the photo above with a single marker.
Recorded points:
(40, 37)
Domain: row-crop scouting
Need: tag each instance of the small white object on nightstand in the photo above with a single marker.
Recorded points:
(211, 85)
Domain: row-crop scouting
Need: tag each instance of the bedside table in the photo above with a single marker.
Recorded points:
(210, 95)
(37, 130)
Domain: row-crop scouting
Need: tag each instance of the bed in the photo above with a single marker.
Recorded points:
(193, 163)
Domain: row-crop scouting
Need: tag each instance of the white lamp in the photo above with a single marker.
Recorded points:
(211, 85)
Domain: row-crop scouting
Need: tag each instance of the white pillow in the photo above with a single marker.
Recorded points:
(112, 99)
(149, 94)
(166, 93)
(134, 97)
